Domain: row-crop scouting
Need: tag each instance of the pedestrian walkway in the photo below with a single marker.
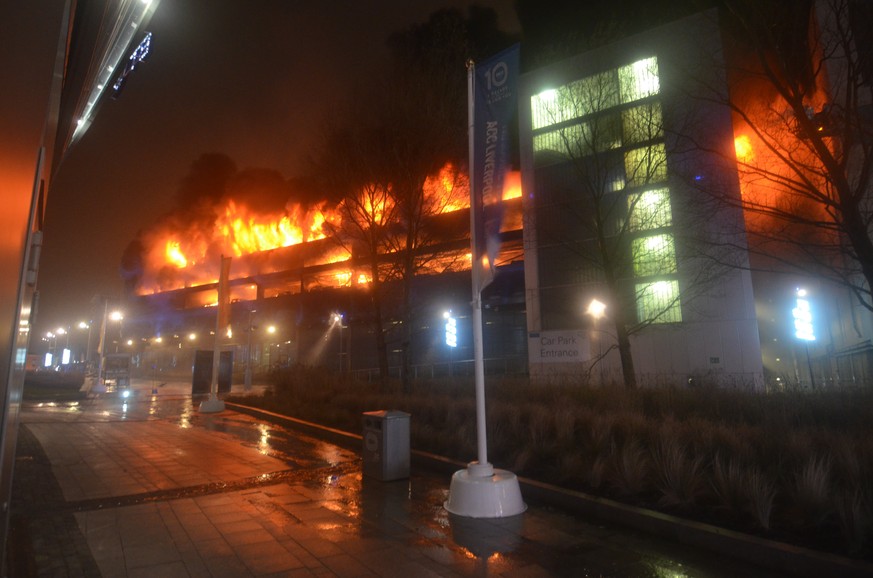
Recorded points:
(149, 487)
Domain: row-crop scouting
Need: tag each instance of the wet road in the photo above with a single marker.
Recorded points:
(228, 494)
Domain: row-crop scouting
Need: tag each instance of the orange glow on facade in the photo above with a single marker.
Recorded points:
(511, 186)
(743, 148)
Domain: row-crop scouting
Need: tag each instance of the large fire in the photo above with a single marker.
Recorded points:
(186, 254)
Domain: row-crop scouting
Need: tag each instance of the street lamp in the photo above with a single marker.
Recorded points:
(597, 309)
(86, 325)
(52, 344)
(248, 374)
(118, 316)
(337, 319)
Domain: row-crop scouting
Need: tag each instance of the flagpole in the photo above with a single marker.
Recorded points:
(483, 467)
(480, 491)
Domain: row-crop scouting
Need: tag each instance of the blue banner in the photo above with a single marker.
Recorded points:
(495, 105)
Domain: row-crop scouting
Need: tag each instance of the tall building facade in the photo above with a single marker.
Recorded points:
(618, 238)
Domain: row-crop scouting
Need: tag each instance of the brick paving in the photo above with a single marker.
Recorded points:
(152, 488)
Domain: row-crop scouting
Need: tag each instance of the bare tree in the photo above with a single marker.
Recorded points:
(801, 80)
(605, 215)
(408, 127)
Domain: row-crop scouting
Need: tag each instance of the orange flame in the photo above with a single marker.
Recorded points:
(178, 256)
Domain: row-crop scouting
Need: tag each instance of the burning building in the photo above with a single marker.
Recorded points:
(660, 171)
(301, 283)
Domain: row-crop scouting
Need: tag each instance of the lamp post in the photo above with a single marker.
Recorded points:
(65, 358)
(118, 316)
(248, 373)
(87, 325)
(52, 344)
(597, 309)
(337, 319)
(271, 330)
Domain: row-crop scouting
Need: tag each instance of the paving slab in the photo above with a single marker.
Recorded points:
(148, 486)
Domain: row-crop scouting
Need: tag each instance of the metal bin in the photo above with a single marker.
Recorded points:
(386, 444)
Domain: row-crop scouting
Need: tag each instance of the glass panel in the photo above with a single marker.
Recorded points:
(642, 123)
(639, 80)
(594, 94)
(574, 100)
(654, 255)
(659, 302)
(646, 165)
(650, 210)
(546, 109)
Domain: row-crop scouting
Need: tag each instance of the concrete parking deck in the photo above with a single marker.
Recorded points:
(150, 487)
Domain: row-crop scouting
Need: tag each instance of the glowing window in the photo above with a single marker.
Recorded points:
(659, 302)
(654, 255)
(594, 93)
(558, 144)
(545, 109)
(646, 165)
(642, 123)
(639, 80)
(574, 100)
(650, 210)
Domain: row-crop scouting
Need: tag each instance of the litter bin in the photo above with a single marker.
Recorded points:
(386, 444)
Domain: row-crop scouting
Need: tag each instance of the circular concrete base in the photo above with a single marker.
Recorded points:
(481, 491)
(211, 405)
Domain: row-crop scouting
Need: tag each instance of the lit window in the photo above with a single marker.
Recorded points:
(649, 210)
(658, 302)
(639, 80)
(642, 123)
(646, 165)
(574, 100)
(654, 255)
(594, 94)
(545, 109)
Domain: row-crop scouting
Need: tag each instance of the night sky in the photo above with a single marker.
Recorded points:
(254, 80)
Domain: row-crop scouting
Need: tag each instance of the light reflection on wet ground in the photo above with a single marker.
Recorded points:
(323, 489)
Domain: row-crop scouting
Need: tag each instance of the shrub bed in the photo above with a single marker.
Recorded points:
(792, 466)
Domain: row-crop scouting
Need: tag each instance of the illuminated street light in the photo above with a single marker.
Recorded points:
(118, 316)
(597, 310)
(337, 319)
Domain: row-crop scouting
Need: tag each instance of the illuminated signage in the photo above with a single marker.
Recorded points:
(451, 330)
(802, 314)
(139, 54)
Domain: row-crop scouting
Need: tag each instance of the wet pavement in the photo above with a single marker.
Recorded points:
(150, 487)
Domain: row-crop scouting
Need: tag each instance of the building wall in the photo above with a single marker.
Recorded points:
(711, 332)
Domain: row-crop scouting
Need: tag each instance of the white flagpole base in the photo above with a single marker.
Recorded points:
(480, 491)
(211, 405)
